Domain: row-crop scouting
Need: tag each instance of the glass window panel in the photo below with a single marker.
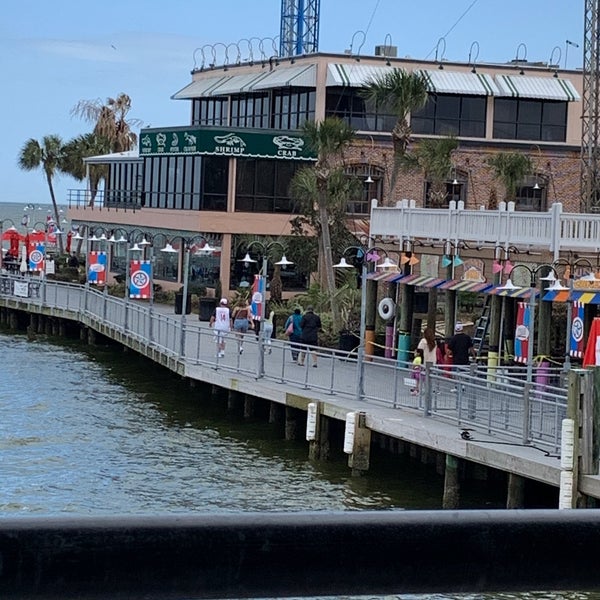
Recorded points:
(505, 110)
(419, 125)
(448, 107)
(429, 109)
(246, 169)
(472, 129)
(530, 111)
(446, 127)
(473, 109)
(553, 134)
(505, 131)
(554, 113)
(263, 204)
(528, 132)
(265, 183)
(243, 204)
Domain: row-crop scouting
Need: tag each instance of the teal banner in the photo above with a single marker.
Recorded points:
(255, 144)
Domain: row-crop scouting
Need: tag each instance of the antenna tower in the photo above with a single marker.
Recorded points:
(299, 27)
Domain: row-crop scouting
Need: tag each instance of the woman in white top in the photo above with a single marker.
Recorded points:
(221, 322)
(428, 345)
(266, 330)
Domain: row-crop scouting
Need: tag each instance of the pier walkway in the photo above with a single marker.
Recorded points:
(494, 418)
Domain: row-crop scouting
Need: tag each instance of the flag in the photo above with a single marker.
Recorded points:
(36, 256)
(576, 341)
(140, 280)
(522, 332)
(96, 269)
(258, 293)
(591, 356)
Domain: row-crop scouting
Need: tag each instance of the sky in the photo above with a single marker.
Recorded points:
(55, 54)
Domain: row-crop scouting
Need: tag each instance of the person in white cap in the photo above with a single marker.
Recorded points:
(461, 346)
(221, 321)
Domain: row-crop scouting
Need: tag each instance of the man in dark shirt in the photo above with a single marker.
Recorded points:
(461, 346)
(310, 325)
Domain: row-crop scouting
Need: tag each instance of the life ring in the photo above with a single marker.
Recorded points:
(386, 309)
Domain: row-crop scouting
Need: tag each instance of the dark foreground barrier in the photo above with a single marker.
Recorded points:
(308, 554)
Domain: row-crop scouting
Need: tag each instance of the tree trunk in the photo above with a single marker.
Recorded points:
(327, 259)
(56, 214)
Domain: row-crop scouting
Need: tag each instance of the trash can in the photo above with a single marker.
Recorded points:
(206, 307)
(403, 349)
(347, 342)
(179, 304)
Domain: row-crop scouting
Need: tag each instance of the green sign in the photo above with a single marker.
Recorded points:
(239, 142)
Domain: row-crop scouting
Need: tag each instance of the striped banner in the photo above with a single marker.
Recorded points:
(576, 341)
(258, 293)
(522, 332)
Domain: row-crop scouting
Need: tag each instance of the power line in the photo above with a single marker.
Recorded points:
(453, 26)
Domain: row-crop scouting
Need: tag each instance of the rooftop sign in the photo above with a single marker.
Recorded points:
(241, 142)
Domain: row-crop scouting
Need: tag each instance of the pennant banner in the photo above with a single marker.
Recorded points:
(96, 269)
(140, 280)
(522, 332)
(36, 256)
(258, 293)
(576, 341)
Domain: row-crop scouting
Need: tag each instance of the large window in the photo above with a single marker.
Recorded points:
(292, 108)
(186, 182)
(250, 110)
(371, 178)
(451, 114)
(531, 195)
(453, 189)
(263, 185)
(209, 111)
(524, 119)
(349, 105)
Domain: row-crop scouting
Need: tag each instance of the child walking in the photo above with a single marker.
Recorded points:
(417, 371)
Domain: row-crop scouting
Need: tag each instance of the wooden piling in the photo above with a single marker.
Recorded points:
(451, 496)
(515, 497)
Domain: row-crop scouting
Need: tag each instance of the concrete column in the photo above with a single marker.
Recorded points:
(359, 460)
(370, 315)
(62, 328)
(515, 497)
(13, 320)
(91, 337)
(55, 327)
(276, 412)
(233, 401)
(83, 334)
(432, 298)
(451, 496)
(249, 406)
(291, 423)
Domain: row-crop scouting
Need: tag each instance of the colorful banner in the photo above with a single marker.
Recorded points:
(51, 228)
(522, 332)
(258, 292)
(96, 268)
(576, 341)
(591, 356)
(36, 256)
(140, 279)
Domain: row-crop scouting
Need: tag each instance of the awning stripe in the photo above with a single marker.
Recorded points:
(546, 88)
(459, 82)
(586, 297)
(299, 76)
(556, 296)
(518, 293)
(382, 275)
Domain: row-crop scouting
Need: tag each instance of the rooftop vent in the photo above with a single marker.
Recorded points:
(388, 51)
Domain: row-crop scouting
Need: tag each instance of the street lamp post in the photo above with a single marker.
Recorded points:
(261, 295)
(188, 245)
(365, 255)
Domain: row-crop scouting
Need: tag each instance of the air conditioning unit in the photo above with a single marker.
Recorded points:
(387, 51)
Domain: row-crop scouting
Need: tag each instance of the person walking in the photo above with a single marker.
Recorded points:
(242, 321)
(417, 371)
(295, 334)
(221, 322)
(461, 346)
(310, 325)
(267, 330)
(429, 346)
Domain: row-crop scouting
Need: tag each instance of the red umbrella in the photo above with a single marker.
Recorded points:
(11, 234)
(591, 356)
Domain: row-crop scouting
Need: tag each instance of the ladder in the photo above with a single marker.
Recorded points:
(481, 326)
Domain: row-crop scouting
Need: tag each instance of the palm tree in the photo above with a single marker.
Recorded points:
(434, 156)
(400, 93)
(81, 147)
(327, 139)
(510, 168)
(47, 155)
(110, 122)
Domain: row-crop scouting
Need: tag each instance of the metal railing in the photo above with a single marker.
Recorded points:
(260, 555)
(498, 401)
